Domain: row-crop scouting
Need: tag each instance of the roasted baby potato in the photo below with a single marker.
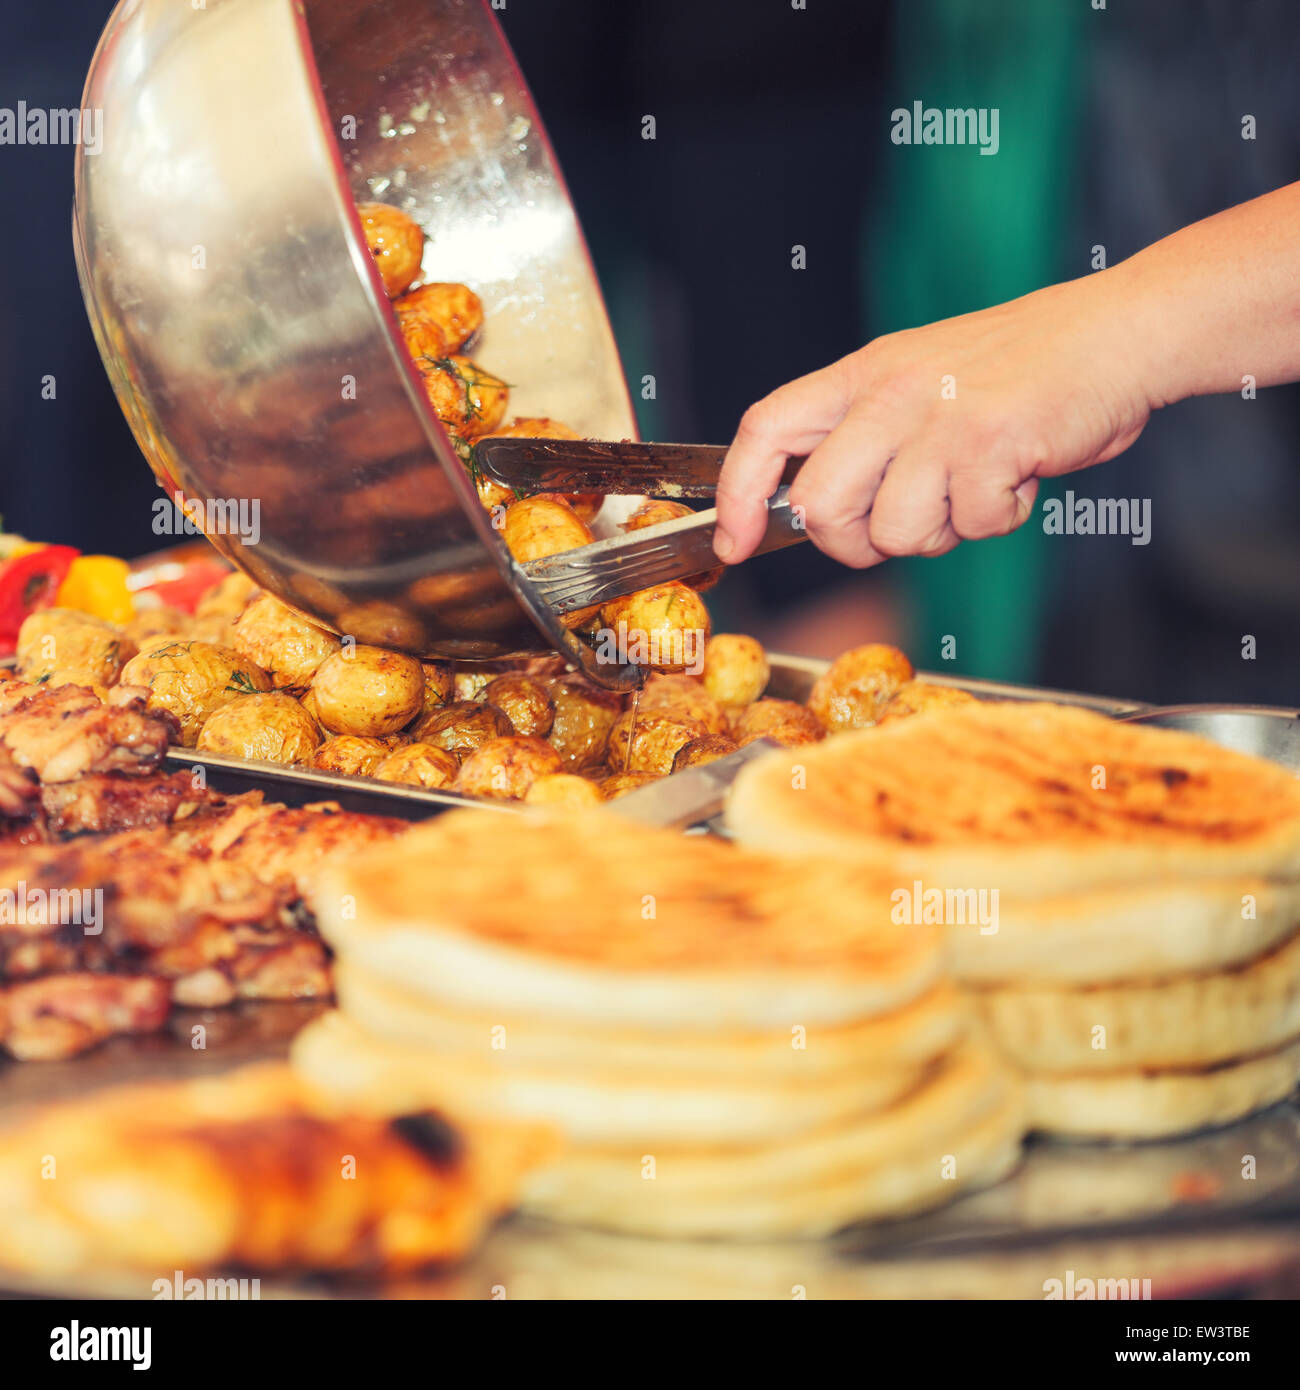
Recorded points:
(524, 700)
(686, 697)
(462, 727)
(227, 598)
(853, 693)
(584, 504)
(152, 624)
(193, 680)
(564, 789)
(703, 750)
(273, 728)
(284, 644)
(469, 682)
(664, 627)
(380, 624)
(538, 526)
(783, 721)
(395, 242)
(418, 765)
(439, 684)
(915, 697)
(351, 755)
(504, 768)
(455, 310)
(367, 691)
(641, 742)
(735, 670)
(464, 397)
(422, 336)
(620, 783)
(584, 715)
(659, 509)
(62, 646)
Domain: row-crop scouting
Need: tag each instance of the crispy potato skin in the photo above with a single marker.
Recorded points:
(584, 715)
(462, 727)
(620, 783)
(736, 669)
(395, 242)
(659, 509)
(464, 397)
(439, 684)
(707, 749)
(454, 310)
(286, 646)
(641, 742)
(916, 697)
(61, 646)
(546, 525)
(418, 765)
(367, 691)
(853, 693)
(503, 769)
(564, 789)
(193, 680)
(669, 620)
(524, 700)
(273, 728)
(684, 696)
(351, 755)
(783, 721)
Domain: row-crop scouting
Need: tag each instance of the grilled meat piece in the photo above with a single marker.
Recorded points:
(61, 1015)
(66, 732)
(18, 789)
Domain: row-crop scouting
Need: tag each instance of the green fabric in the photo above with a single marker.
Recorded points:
(953, 230)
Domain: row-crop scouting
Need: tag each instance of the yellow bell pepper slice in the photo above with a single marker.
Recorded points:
(96, 584)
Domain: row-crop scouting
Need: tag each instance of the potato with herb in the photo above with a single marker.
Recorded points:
(271, 728)
(686, 697)
(503, 769)
(454, 312)
(193, 680)
(283, 643)
(395, 242)
(664, 627)
(418, 765)
(367, 691)
(462, 726)
(63, 646)
(467, 399)
(439, 684)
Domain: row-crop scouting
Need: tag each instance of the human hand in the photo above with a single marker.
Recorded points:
(939, 434)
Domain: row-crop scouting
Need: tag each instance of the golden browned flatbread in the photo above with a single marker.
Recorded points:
(250, 1169)
(590, 918)
(1027, 798)
(1183, 1021)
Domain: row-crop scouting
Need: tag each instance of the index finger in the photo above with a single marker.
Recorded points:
(794, 419)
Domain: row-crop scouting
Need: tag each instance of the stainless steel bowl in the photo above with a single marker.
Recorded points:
(1259, 729)
(245, 327)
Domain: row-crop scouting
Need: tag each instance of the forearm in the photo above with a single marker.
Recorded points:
(1217, 301)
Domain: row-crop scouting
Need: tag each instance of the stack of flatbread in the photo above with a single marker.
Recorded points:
(1122, 902)
(730, 1044)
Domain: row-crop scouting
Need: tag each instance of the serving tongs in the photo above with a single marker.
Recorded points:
(607, 569)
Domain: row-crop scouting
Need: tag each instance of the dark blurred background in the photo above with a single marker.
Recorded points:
(1117, 126)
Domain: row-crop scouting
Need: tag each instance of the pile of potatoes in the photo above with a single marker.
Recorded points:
(250, 678)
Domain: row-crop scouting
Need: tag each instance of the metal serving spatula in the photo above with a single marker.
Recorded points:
(622, 564)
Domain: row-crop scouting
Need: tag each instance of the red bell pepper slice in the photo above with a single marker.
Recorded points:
(27, 583)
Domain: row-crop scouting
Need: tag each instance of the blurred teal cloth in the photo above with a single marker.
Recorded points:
(953, 230)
